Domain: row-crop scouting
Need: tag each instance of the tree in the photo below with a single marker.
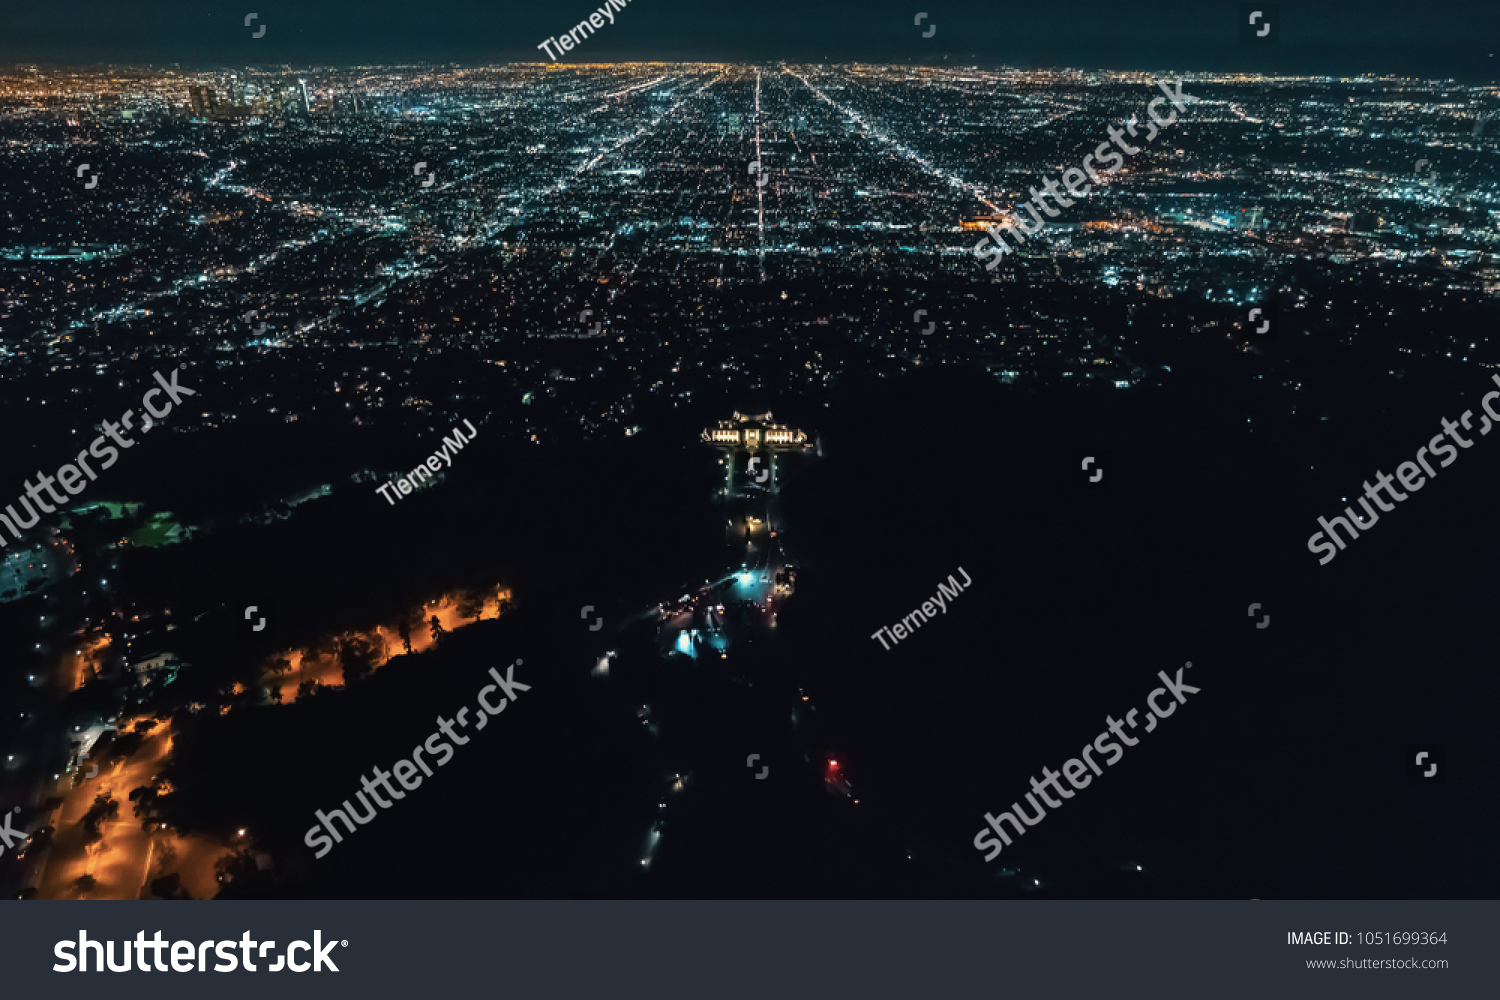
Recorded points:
(233, 863)
(471, 606)
(129, 743)
(105, 808)
(436, 626)
(236, 866)
(148, 803)
(169, 887)
(358, 654)
(404, 631)
(307, 688)
(324, 647)
(276, 695)
(85, 883)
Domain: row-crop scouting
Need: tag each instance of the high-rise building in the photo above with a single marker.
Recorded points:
(306, 101)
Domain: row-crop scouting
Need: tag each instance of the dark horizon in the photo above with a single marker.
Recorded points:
(1340, 39)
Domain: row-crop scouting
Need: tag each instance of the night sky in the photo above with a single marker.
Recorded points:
(1435, 38)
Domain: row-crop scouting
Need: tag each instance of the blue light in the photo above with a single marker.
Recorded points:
(745, 579)
(685, 643)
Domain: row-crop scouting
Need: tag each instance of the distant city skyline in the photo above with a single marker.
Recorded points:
(748, 394)
(1444, 39)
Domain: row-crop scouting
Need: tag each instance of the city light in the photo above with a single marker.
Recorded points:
(580, 255)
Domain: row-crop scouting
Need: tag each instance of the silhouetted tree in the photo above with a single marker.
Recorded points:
(104, 808)
(323, 648)
(169, 887)
(404, 631)
(358, 655)
(234, 863)
(129, 743)
(147, 799)
(436, 626)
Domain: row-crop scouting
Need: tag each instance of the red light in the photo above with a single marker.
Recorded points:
(833, 763)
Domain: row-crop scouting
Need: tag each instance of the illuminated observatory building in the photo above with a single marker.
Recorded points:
(755, 432)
